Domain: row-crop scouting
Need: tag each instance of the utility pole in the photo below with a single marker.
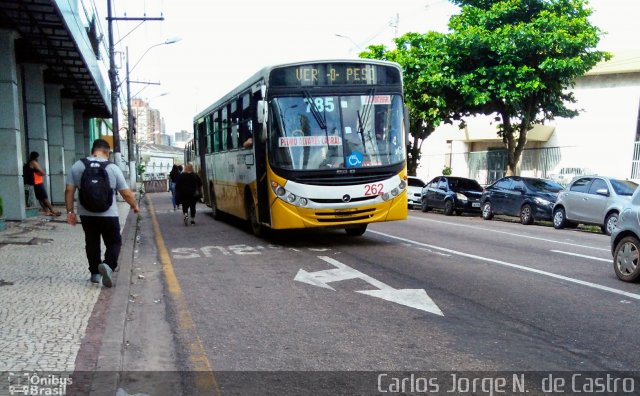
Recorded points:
(113, 77)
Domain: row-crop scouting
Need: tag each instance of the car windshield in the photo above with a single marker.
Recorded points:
(543, 185)
(623, 187)
(321, 132)
(464, 184)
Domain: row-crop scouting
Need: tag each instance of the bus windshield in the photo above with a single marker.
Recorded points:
(324, 132)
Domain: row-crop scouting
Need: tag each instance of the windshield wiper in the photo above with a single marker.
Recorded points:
(314, 110)
(364, 118)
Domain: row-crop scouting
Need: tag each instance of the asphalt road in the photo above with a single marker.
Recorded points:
(467, 294)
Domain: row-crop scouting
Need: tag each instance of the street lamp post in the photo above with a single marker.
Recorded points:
(133, 129)
(350, 39)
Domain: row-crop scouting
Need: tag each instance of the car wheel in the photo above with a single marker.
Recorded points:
(559, 219)
(356, 230)
(424, 206)
(610, 223)
(526, 216)
(487, 211)
(448, 207)
(625, 259)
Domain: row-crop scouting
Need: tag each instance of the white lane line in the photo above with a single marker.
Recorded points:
(582, 255)
(509, 233)
(516, 266)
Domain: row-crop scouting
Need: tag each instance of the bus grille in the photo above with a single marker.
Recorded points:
(343, 180)
(338, 200)
(338, 217)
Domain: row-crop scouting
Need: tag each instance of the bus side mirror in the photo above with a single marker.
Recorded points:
(261, 109)
(263, 117)
(407, 124)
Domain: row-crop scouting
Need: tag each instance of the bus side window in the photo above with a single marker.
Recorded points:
(209, 132)
(246, 127)
(225, 129)
(217, 128)
(234, 116)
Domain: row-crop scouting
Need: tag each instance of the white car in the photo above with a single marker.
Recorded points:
(414, 192)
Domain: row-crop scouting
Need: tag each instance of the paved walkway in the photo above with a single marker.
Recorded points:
(46, 298)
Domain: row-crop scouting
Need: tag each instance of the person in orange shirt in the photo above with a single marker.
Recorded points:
(38, 185)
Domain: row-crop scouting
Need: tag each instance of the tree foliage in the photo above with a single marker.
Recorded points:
(516, 59)
(428, 94)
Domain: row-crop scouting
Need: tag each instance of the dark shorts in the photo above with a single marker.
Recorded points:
(41, 193)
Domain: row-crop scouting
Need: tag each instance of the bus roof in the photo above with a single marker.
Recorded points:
(263, 74)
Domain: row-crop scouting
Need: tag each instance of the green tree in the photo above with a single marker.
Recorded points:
(429, 94)
(517, 59)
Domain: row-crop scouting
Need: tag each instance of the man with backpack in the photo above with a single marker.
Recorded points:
(97, 181)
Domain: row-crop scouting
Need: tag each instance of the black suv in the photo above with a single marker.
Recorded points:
(452, 194)
(525, 197)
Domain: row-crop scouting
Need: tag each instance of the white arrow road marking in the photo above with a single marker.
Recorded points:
(582, 255)
(414, 298)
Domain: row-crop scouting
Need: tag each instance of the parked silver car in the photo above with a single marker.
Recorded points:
(592, 200)
(625, 242)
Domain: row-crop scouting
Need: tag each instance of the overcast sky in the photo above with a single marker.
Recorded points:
(225, 42)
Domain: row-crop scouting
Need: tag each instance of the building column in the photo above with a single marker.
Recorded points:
(68, 133)
(36, 115)
(11, 183)
(78, 126)
(55, 169)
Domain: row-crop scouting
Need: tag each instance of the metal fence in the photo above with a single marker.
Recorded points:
(490, 165)
(635, 163)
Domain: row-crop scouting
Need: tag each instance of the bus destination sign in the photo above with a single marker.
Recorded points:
(324, 74)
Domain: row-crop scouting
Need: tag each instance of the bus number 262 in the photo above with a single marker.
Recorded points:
(373, 189)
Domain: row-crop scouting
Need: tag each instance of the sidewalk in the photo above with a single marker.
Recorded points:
(46, 298)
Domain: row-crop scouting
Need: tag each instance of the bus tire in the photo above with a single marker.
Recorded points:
(216, 213)
(356, 230)
(256, 228)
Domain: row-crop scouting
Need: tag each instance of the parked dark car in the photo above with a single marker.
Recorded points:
(452, 194)
(525, 197)
(625, 241)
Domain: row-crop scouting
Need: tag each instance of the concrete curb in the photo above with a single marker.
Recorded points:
(110, 357)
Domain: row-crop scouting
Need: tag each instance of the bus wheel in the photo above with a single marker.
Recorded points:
(217, 214)
(256, 228)
(356, 230)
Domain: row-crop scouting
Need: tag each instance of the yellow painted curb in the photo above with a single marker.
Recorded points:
(205, 379)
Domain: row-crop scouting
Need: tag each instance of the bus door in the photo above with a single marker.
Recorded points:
(200, 157)
(262, 184)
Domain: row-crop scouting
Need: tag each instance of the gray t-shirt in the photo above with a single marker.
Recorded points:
(116, 180)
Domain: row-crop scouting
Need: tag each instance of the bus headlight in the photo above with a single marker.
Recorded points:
(303, 202)
(285, 195)
(291, 198)
(280, 191)
(395, 191)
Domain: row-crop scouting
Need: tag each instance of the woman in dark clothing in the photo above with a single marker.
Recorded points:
(187, 185)
(173, 176)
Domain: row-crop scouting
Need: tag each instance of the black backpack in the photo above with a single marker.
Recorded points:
(96, 194)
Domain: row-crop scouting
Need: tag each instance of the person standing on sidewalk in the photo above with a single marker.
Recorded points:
(98, 211)
(38, 184)
(189, 190)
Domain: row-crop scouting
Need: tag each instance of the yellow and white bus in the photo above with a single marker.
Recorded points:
(310, 144)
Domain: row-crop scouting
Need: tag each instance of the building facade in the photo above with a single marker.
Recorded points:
(603, 139)
(53, 85)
